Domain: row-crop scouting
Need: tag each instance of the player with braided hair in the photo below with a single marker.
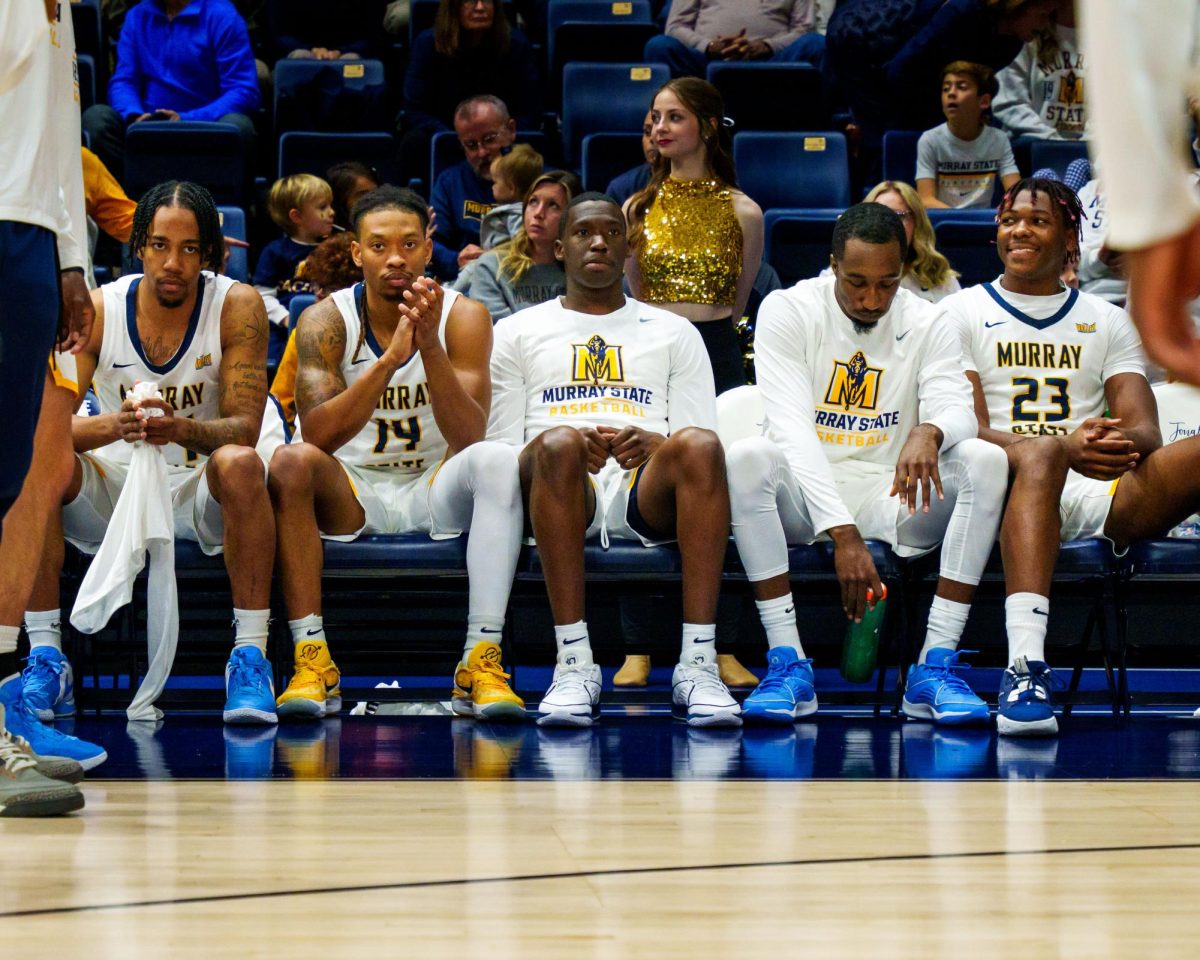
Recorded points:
(1059, 383)
(177, 193)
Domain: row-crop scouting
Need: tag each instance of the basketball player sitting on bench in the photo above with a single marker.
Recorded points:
(1045, 363)
(611, 404)
(203, 339)
(392, 392)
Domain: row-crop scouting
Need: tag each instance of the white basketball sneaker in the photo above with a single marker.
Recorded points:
(699, 697)
(573, 699)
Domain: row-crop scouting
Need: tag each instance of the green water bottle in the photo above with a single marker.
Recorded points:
(861, 649)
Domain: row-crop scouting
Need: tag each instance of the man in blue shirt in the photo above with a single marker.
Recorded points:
(462, 194)
(177, 60)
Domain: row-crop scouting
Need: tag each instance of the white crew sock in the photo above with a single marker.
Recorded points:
(947, 620)
(482, 629)
(1026, 616)
(574, 644)
(8, 639)
(44, 628)
(699, 643)
(778, 618)
(250, 628)
(310, 629)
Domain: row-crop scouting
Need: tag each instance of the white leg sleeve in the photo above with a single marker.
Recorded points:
(974, 479)
(768, 507)
(479, 490)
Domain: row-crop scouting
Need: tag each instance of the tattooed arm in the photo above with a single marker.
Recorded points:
(331, 414)
(243, 379)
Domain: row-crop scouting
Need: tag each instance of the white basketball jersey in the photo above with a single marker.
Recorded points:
(402, 435)
(637, 366)
(1043, 373)
(189, 381)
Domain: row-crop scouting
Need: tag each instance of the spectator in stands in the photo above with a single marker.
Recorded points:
(1042, 91)
(513, 176)
(696, 240)
(329, 268)
(302, 207)
(926, 272)
(349, 180)
(463, 194)
(176, 60)
(884, 58)
(525, 271)
(958, 162)
(700, 31)
(471, 50)
(319, 30)
(631, 181)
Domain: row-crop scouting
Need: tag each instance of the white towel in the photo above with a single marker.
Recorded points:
(142, 523)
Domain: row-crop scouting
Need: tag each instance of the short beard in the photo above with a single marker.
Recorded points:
(169, 304)
(863, 328)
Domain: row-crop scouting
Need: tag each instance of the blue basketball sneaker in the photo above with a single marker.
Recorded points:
(936, 692)
(249, 693)
(48, 684)
(43, 739)
(1026, 708)
(786, 693)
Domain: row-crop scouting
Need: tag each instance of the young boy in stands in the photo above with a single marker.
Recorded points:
(959, 161)
(302, 207)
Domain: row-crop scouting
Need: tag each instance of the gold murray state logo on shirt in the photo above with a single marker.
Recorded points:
(848, 416)
(597, 383)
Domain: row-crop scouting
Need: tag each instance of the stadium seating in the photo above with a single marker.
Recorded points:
(607, 155)
(310, 152)
(771, 96)
(1056, 154)
(605, 98)
(299, 303)
(592, 32)
(793, 169)
(233, 224)
(797, 242)
(349, 95)
(970, 246)
(89, 38)
(445, 151)
(208, 153)
(900, 155)
(86, 67)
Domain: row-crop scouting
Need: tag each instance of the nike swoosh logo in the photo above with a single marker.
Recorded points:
(996, 324)
(790, 610)
(120, 366)
(486, 630)
(1041, 613)
(314, 633)
(568, 642)
(645, 319)
(901, 336)
(701, 640)
(354, 363)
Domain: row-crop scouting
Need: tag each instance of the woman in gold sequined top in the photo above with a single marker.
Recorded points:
(696, 240)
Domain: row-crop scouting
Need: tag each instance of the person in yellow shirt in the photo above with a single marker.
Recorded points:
(105, 199)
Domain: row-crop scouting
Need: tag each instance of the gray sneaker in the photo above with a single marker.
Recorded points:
(53, 768)
(23, 791)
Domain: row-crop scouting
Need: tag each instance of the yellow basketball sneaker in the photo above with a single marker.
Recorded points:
(315, 689)
(481, 687)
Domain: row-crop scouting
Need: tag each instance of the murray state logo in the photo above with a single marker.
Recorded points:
(854, 384)
(597, 361)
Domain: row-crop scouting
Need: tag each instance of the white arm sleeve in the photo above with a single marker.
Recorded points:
(507, 420)
(22, 27)
(943, 389)
(691, 395)
(786, 384)
(1137, 103)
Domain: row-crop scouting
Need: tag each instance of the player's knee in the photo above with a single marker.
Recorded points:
(561, 452)
(494, 470)
(1039, 460)
(748, 462)
(985, 468)
(699, 454)
(238, 472)
(291, 469)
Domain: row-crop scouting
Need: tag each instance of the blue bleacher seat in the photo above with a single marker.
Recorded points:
(771, 96)
(970, 246)
(793, 169)
(233, 224)
(313, 152)
(605, 98)
(1055, 154)
(86, 67)
(445, 150)
(594, 32)
(298, 304)
(207, 153)
(348, 95)
(607, 155)
(900, 155)
(89, 36)
(798, 242)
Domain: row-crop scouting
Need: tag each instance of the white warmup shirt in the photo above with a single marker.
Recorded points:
(1043, 361)
(403, 435)
(840, 403)
(1138, 106)
(41, 175)
(190, 381)
(638, 366)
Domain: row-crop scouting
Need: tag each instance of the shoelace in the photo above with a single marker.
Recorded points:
(571, 677)
(1028, 683)
(13, 757)
(491, 676)
(708, 679)
(41, 672)
(776, 682)
(243, 673)
(946, 672)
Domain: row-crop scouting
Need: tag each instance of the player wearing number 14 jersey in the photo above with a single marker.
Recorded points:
(1059, 384)
(393, 393)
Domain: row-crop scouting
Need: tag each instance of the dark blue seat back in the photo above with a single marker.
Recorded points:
(771, 96)
(793, 169)
(970, 246)
(900, 155)
(798, 242)
(348, 95)
(1056, 154)
(311, 152)
(233, 224)
(608, 155)
(209, 154)
(605, 98)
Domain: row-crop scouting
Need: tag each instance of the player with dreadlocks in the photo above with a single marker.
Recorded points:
(1046, 362)
(203, 339)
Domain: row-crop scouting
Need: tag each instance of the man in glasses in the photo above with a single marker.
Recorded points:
(463, 194)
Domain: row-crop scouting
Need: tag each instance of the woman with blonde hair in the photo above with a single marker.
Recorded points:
(926, 272)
